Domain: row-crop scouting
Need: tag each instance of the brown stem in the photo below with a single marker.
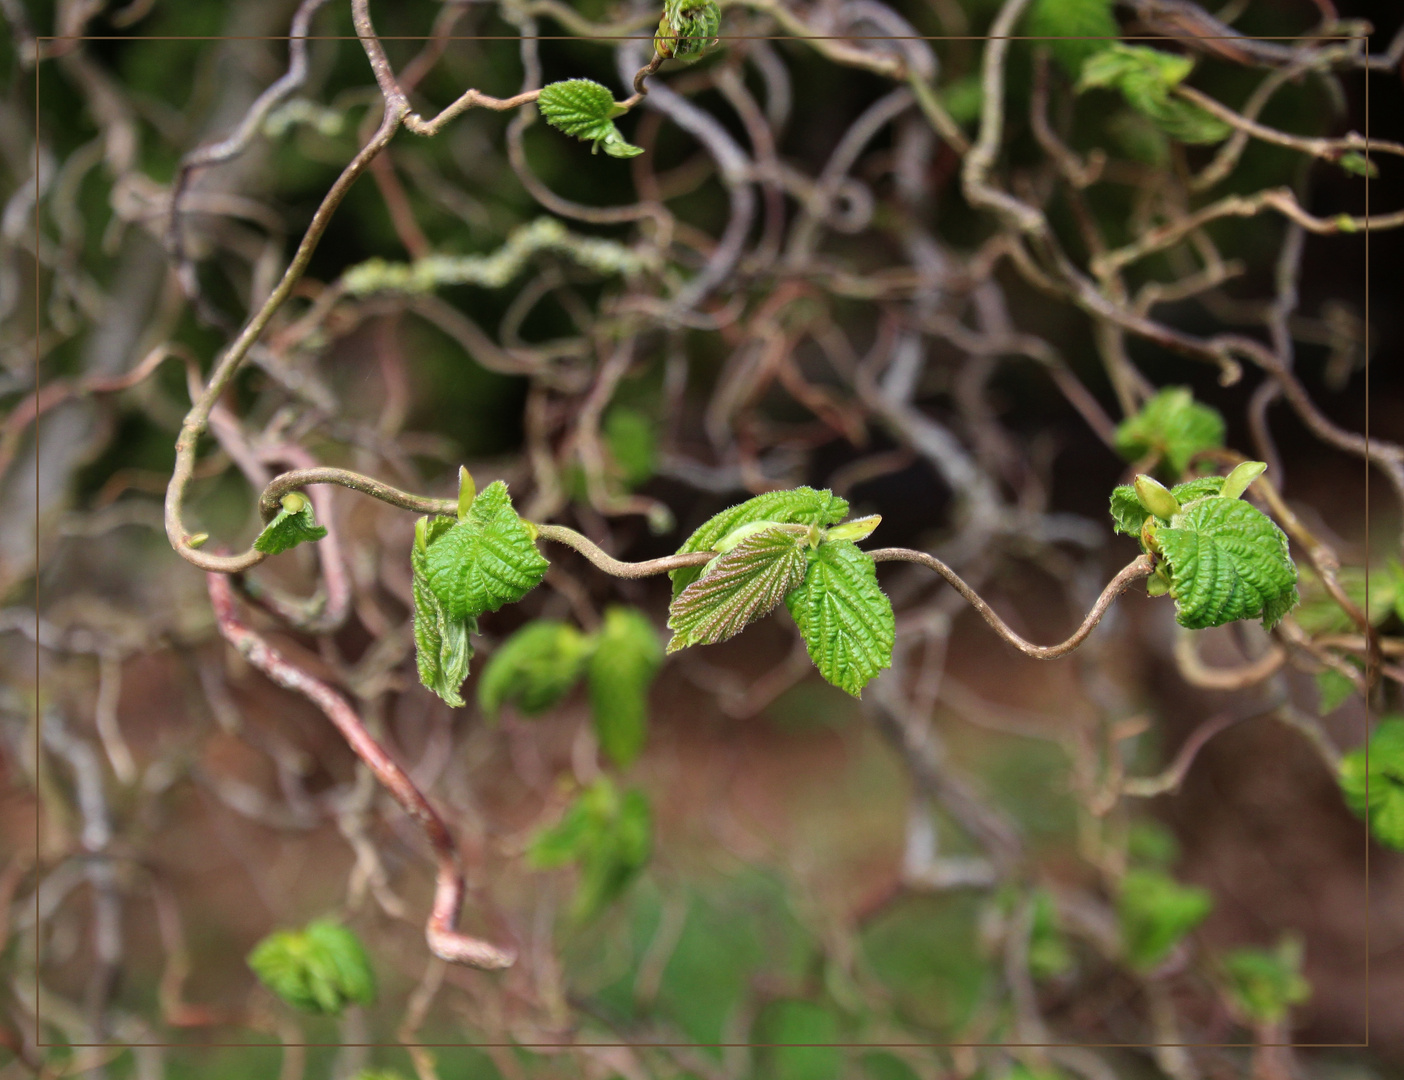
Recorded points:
(1141, 566)
(444, 940)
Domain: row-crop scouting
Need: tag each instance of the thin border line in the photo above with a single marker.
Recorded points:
(38, 307)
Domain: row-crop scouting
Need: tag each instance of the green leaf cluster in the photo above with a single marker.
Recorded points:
(1264, 984)
(608, 835)
(789, 545)
(1220, 558)
(1146, 78)
(585, 109)
(542, 662)
(320, 969)
(1173, 427)
(294, 523)
(1080, 29)
(462, 569)
(688, 28)
(1155, 913)
(1374, 788)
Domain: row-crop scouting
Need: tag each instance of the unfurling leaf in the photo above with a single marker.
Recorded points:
(534, 668)
(1080, 29)
(486, 560)
(845, 619)
(441, 646)
(1172, 426)
(585, 109)
(609, 836)
(1227, 561)
(1146, 78)
(1354, 162)
(739, 585)
(688, 28)
(797, 506)
(1156, 497)
(293, 524)
(1264, 985)
(1129, 514)
(1242, 477)
(1156, 912)
(1376, 791)
(321, 969)
(622, 667)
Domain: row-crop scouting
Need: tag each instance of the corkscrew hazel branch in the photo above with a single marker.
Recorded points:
(443, 939)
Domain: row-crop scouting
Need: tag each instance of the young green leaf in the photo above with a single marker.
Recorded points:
(320, 969)
(738, 586)
(1156, 912)
(1376, 791)
(632, 444)
(1354, 162)
(1146, 78)
(534, 668)
(1333, 690)
(608, 835)
(293, 524)
(1173, 427)
(626, 658)
(797, 506)
(585, 109)
(486, 560)
(1049, 955)
(1264, 985)
(1080, 29)
(845, 619)
(441, 646)
(1227, 561)
(1156, 497)
(688, 28)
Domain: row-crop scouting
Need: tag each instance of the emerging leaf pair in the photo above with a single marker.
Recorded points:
(789, 545)
(542, 662)
(1220, 558)
(463, 568)
(320, 969)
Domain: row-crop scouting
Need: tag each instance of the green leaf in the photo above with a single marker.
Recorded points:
(441, 646)
(632, 443)
(1384, 596)
(534, 668)
(1334, 689)
(798, 506)
(1156, 912)
(1049, 954)
(1199, 488)
(738, 586)
(294, 524)
(320, 969)
(1354, 162)
(1145, 78)
(1227, 561)
(585, 109)
(846, 620)
(1078, 23)
(1375, 789)
(1173, 427)
(688, 28)
(607, 835)
(486, 560)
(1264, 985)
(626, 658)
(1149, 843)
(1128, 515)
(790, 1037)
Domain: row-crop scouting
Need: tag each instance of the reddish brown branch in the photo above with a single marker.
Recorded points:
(443, 939)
